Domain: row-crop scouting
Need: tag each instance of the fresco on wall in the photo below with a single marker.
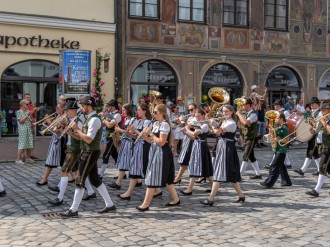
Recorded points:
(168, 26)
(236, 39)
(276, 42)
(215, 15)
(257, 19)
(192, 36)
(146, 32)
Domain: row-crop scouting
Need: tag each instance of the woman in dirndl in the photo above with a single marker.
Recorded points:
(226, 163)
(200, 164)
(187, 142)
(160, 170)
(54, 151)
(139, 160)
(126, 146)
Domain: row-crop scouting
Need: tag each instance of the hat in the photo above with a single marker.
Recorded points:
(88, 100)
(71, 105)
(249, 101)
(315, 100)
(288, 97)
(253, 87)
(325, 105)
(70, 99)
(113, 102)
(179, 98)
(278, 102)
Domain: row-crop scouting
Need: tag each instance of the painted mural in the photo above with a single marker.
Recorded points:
(276, 42)
(145, 32)
(236, 39)
(192, 36)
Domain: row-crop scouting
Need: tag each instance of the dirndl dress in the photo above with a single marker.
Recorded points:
(54, 152)
(185, 154)
(160, 169)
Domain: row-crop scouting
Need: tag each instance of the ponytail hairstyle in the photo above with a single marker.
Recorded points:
(162, 109)
(129, 110)
(145, 107)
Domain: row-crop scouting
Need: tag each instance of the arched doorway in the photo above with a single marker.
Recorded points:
(324, 88)
(37, 77)
(222, 75)
(153, 75)
(281, 82)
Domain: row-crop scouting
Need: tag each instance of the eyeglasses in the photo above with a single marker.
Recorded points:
(155, 112)
(191, 109)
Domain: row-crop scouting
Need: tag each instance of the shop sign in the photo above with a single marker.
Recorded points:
(38, 41)
(75, 72)
(152, 75)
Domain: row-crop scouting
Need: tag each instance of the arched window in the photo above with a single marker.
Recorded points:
(324, 87)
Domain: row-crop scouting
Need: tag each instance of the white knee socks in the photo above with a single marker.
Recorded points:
(63, 184)
(1, 187)
(103, 167)
(320, 183)
(256, 168)
(244, 166)
(88, 186)
(78, 195)
(306, 164)
(105, 195)
(317, 162)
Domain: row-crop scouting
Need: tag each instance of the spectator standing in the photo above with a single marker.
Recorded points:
(289, 106)
(300, 106)
(34, 110)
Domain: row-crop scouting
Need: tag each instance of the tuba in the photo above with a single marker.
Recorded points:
(116, 138)
(218, 96)
(240, 102)
(153, 95)
(271, 137)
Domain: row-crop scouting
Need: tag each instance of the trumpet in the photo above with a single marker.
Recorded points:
(42, 121)
(142, 132)
(53, 124)
(67, 128)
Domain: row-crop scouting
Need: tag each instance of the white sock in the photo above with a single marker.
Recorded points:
(78, 195)
(320, 183)
(105, 195)
(272, 160)
(1, 187)
(89, 187)
(256, 168)
(63, 185)
(103, 167)
(244, 166)
(317, 162)
(306, 164)
(287, 160)
(59, 183)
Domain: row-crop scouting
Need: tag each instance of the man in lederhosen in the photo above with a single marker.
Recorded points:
(249, 129)
(90, 136)
(325, 155)
(110, 121)
(314, 145)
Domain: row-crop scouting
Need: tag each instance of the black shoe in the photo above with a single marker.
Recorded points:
(263, 145)
(87, 197)
(312, 193)
(258, 145)
(124, 198)
(207, 202)
(299, 171)
(54, 188)
(267, 167)
(56, 202)
(107, 209)
(3, 193)
(199, 181)
(159, 194)
(256, 177)
(125, 176)
(264, 185)
(69, 214)
(100, 177)
(240, 199)
(284, 185)
(177, 182)
(42, 184)
(138, 184)
(71, 181)
(172, 204)
(316, 173)
(288, 166)
(208, 190)
(114, 185)
(34, 157)
(142, 209)
(186, 193)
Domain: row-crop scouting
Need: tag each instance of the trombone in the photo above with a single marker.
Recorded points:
(53, 124)
(41, 122)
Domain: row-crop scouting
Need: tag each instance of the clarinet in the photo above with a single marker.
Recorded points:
(67, 128)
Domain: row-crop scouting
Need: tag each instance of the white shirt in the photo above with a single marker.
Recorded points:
(252, 116)
(80, 125)
(229, 125)
(300, 108)
(93, 125)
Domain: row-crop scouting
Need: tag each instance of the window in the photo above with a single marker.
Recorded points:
(276, 14)
(144, 8)
(235, 12)
(192, 10)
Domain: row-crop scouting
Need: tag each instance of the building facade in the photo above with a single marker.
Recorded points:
(186, 47)
(32, 35)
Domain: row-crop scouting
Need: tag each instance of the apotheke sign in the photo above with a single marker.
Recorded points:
(38, 41)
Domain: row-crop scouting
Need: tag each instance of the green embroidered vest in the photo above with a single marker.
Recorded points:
(95, 144)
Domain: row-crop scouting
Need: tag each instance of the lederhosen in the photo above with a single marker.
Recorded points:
(313, 148)
(325, 155)
(250, 138)
(110, 148)
(88, 158)
(72, 155)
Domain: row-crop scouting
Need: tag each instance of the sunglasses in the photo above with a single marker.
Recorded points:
(191, 109)
(155, 112)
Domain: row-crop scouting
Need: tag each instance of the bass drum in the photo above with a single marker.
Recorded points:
(300, 125)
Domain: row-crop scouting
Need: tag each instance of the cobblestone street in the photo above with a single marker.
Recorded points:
(282, 216)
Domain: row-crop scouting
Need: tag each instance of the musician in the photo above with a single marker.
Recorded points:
(185, 153)
(226, 163)
(314, 145)
(140, 156)
(200, 164)
(325, 155)
(256, 98)
(249, 129)
(25, 134)
(181, 106)
(54, 151)
(278, 167)
(160, 171)
(72, 153)
(110, 121)
(90, 136)
(178, 135)
(126, 146)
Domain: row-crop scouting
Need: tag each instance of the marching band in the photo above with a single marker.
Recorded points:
(144, 148)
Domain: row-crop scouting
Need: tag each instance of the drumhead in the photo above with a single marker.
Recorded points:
(304, 131)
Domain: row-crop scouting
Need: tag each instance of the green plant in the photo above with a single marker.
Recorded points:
(96, 91)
